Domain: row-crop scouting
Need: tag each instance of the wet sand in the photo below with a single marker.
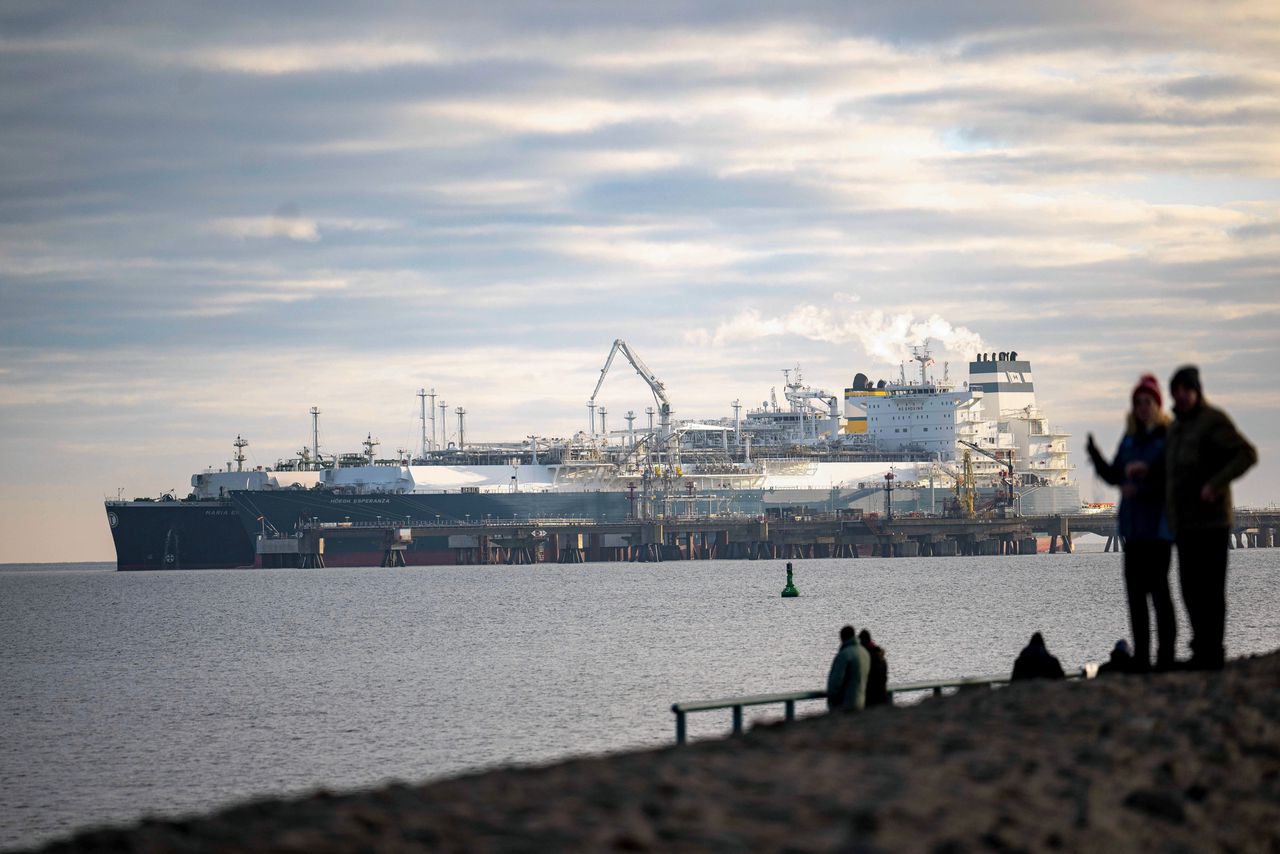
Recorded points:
(1175, 762)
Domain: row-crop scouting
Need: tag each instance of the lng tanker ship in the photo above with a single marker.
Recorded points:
(813, 452)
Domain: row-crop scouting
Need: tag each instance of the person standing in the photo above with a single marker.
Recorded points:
(878, 675)
(847, 681)
(1205, 453)
(1138, 468)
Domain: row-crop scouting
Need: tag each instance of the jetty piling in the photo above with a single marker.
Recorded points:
(690, 538)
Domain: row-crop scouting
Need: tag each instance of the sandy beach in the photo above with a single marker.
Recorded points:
(1184, 761)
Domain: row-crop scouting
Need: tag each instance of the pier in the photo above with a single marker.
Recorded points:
(535, 541)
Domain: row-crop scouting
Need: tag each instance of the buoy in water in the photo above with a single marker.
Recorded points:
(790, 590)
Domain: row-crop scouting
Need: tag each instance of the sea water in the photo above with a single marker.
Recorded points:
(162, 693)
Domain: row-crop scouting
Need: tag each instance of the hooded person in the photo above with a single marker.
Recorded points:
(878, 676)
(847, 679)
(1205, 453)
(1035, 662)
(1138, 468)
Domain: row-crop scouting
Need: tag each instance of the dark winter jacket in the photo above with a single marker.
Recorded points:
(1035, 662)
(1204, 447)
(1141, 515)
(847, 681)
(878, 677)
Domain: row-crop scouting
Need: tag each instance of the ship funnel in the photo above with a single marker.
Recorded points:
(860, 382)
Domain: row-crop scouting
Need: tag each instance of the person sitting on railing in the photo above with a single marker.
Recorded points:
(878, 676)
(1035, 662)
(847, 681)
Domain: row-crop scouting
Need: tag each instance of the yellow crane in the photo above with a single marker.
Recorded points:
(965, 487)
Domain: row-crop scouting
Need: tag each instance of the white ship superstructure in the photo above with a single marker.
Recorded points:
(928, 431)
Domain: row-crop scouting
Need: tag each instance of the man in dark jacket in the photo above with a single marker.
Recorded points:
(1205, 453)
(878, 677)
(847, 681)
(1035, 662)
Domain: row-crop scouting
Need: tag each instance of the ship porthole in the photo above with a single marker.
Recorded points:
(113, 519)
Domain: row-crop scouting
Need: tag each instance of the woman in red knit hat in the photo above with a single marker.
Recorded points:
(1139, 470)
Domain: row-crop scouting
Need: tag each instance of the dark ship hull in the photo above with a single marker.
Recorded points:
(179, 535)
(222, 534)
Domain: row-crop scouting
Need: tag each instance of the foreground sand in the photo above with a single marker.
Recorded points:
(1178, 762)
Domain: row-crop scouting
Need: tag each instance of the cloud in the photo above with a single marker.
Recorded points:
(289, 227)
(294, 58)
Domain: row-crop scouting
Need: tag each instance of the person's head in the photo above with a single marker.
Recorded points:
(864, 637)
(1147, 412)
(1122, 648)
(1184, 388)
(846, 634)
(1037, 640)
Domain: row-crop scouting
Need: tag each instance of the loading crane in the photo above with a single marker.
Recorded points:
(655, 386)
(1006, 463)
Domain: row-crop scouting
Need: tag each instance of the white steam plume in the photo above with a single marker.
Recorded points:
(886, 338)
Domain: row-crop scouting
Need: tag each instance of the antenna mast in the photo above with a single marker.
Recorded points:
(315, 435)
(422, 404)
(240, 445)
(461, 412)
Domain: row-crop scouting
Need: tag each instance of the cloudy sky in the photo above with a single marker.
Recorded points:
(213, 218)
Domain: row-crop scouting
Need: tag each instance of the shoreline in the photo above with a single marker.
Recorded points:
(1187, 760)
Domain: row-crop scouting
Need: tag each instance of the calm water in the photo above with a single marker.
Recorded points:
(125, 694)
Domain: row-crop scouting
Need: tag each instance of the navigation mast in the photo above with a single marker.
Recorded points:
(240, 444)
(922, 355)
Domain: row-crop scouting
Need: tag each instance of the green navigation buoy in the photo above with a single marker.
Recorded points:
(790, 590)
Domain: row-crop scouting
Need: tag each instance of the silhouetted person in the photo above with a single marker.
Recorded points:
(1121, 661)
(847, 681)
(878, 675)
(1035, 662)
(1139, 470)
(1205, 454)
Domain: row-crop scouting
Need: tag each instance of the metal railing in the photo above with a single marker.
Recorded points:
(789, 699)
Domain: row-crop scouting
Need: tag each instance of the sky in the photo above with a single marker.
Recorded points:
(216, 216)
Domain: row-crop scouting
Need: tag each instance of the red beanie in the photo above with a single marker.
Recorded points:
(1151, 386)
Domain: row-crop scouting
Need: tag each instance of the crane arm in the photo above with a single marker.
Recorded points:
(1005, 463)
(605, 370)
(655, 385)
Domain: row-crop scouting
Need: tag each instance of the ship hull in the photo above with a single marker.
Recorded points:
(286, 510)
(162, 535)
